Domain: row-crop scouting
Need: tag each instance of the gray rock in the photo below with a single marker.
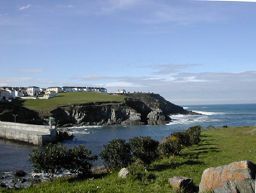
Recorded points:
(180, 183)
(156, 117)
(123, 173)
(237, 177)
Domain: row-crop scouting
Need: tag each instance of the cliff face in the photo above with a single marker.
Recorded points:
(135, 110)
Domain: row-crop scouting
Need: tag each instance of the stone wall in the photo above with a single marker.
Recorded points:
(33, 134)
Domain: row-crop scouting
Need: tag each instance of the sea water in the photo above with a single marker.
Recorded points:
(15, 156)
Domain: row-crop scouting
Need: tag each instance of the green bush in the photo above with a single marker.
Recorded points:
(144, 149)
(54, 158)
(194, 134)
(80, 160)
(183, 138)
(116, 154)
(137, 171)
(170, 146)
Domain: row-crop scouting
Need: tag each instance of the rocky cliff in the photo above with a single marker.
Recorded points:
(137, 109)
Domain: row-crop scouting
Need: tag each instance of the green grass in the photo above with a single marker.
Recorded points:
(72, 98)
(218, 147)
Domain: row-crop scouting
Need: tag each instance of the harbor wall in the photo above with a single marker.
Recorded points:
(28, 133)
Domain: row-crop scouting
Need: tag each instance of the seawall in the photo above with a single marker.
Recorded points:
(32, 134)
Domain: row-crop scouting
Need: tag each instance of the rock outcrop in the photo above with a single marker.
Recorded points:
(137, 109)
(182, 184)
(237, 177)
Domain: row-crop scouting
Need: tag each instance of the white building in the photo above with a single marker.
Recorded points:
(54, 89)
(33, 91)
(4, 95)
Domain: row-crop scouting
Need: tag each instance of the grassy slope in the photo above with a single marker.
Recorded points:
(45, 106)
(218, 147)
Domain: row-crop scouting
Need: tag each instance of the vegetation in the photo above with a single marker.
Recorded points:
(194, 134)
(138, 172)
(144, 149)
(56, 157)
(217, 147)
(170, 146)
(71, 98)
(116, 154)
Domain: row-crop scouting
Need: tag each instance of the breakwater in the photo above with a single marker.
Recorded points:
(28, 133)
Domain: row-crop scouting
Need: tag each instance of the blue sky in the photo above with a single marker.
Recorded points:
(191, 52)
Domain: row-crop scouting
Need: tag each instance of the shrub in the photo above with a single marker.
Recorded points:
(170, 146)
(50, 159)
(194, 134)
(183, 138)
(55, 158)
(137, 171)
(116, 154)
(80, 160)
(144, 149)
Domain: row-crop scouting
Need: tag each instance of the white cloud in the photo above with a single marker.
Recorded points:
(24, 7)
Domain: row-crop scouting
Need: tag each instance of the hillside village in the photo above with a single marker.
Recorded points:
(34, 92)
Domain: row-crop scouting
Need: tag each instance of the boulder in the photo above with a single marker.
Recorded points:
(180, 183)
(123, 173)
(237, 177)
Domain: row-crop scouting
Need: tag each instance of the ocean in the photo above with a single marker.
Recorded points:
(15, 156)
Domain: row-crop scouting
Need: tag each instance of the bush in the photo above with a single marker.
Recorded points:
(138, 172)
(80, 160)
(194, 134)
(144, 149)
(50, 159)
(183, 138)
(116, 154)
(55, 158)
(170, 146)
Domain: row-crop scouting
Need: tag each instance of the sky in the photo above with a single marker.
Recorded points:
(189, 51)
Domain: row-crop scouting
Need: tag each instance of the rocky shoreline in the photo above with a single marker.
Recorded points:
(136, 109)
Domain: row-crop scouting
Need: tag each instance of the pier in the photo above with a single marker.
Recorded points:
(28, 133)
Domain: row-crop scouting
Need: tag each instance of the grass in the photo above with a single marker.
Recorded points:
(72, 98)
(218, 147)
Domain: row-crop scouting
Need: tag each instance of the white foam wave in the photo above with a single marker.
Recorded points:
(190, 119)
(85, 132)
(85, 127)
(185, 108)
(208, 113)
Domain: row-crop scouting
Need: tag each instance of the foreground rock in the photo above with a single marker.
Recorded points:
(123, 173)
(237, 177)
(21, 179)
(182, 184)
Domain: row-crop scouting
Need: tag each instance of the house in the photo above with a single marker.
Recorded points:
(5, 95)
(69, 89)
(54, 89)
(33, 91)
